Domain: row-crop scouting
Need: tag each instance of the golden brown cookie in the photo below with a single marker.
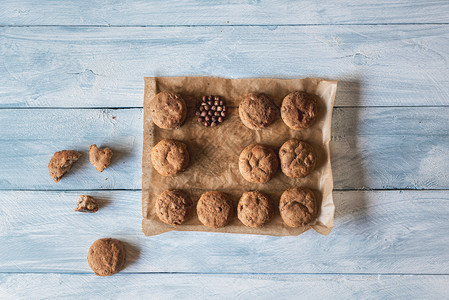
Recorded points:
(100, 158)
(170, 157)
(173, 207)
(87, 204)
(255, 209)
(299, 110)
(214, 209)
(257, 111)
(168, 110)
(298, 207)
(61, 162)
(258, 163)
(106, 257)
(297, 158)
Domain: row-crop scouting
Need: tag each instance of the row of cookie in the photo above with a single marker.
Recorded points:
(257, 163)
(256, 110)
(62, 161)
(297, 207)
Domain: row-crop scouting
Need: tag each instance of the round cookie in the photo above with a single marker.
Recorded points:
(257, 111)
(299, 110)
(106, 257)
(170, 157)
(255, 209)
(168, 110)
(173, 207)
(297, 207)
(297, 158)
(258, 163)
(214, 209)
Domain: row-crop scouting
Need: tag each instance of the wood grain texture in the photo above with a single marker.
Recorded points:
(104, 67)
(371, 148)
(234, 12)
(174, 286)
(375, 232)
(29, 138)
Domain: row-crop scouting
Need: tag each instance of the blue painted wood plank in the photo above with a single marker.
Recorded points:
(374, 148)
(29, 138)
(194, 286)
(234, 12)
(402, 232)
(104, 67)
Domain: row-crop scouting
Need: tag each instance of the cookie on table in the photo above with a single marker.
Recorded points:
(255, 209)
(257, 111)
(214, 209)
(168, 110)
(298, 207)
(173, 207)
(299, 110)
(169, 157)
(258, 163)
(87, 204)
(297, 158)
(106, 256)
(61, 162)
(100, 158)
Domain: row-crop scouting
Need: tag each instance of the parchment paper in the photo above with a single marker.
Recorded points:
(214, 151)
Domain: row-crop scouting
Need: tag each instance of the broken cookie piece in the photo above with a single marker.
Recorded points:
(100, 158)
(87, 204)
(61, 162)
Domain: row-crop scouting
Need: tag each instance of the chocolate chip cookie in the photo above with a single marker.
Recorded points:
(257, 111)
(297, 158)
(61, 162)
(169, 157)
(299, 110)
(100, 158)
(255, 209)
(168, 110)
(298, 207)
(106, 257)
(214, 209)
(173, 207)
(258, 163)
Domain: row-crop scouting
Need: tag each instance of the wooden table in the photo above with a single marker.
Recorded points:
(71, 75)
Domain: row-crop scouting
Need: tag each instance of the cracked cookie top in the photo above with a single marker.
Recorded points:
(297, 158)
(214, 209)
(298, 207)
(173, 207)
(299, 110)
(169, 157)
(255, 209)
(258, 163)
(168, 110)
(257, 111)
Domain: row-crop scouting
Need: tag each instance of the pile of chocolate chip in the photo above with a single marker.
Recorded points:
(211, 111)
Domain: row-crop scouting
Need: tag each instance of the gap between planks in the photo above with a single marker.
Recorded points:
(225, 25)
(238, 273)
(141, 107)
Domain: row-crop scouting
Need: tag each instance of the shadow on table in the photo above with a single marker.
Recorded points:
(348, 161)
(132, 253)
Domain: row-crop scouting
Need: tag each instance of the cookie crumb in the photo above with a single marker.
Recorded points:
(100, 158)
(87, 204)
(61, 162)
